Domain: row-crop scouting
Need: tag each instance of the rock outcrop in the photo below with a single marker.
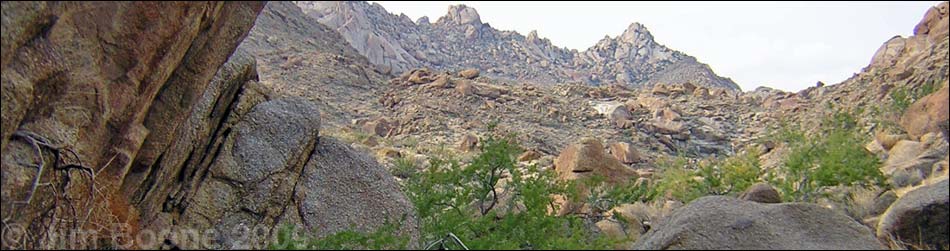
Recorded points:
(150, 124)
(929, 115)
(461, 40)
(110, 94)
(714, 223)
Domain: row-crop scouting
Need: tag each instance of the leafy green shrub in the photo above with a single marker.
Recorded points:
(381, 239)
(457, 199)
(904, 96)
(462, 201)
(833, 156)
(728, 176)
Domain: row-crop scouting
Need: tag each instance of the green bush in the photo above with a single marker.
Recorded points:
(383, 238)
(904, 96)
(832, 156)
(459, 199)
(452, 198)
(728, 176)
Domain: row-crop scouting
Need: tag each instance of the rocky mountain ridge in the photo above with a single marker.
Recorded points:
(461, 40)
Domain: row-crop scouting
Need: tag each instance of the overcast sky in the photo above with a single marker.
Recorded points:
(784, 45)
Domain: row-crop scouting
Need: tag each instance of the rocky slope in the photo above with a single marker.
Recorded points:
(460, 40)
(298, 56)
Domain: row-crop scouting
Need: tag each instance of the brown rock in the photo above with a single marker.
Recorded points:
(888, 141)
(465, 87)
(586, 158)
(761, 193)
(668, 127)
(529, 156)
(661, 89)
(420, 76)
(469, 73)
(380, 127)
(621, 116)
(113, 82)
(390, 153)
(929, 114)
(468, 143)
(666, 114)
(624, 152)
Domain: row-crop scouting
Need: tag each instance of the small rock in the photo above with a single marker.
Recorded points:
(761, 193)
(529, 156)
(469, 73)
(467, 143)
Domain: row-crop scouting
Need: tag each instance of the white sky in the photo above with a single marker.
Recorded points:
(784, 45)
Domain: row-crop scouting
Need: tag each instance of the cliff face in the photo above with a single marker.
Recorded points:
(461, 40)
(137, 124)
(92, 96)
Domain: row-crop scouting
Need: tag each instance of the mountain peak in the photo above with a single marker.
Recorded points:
(636, 33)
(461, 15)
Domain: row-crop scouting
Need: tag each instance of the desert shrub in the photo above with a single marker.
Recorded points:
(904, 96)
(383, 238)
(727, 176)
(832, 156)
(461, 200)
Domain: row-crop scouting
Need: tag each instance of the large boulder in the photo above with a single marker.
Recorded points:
(251, 180)
(717, 222)
(929, 114)
(919, 217)
(587, 158)
(584, 160)
(343, 189)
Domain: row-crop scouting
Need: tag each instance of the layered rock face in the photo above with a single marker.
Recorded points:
(460, 40)
(146, 127)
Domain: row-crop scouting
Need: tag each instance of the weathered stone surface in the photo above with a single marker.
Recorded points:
(919, 217)
(341, 189)
(258, 167)
(111, 81)
(727, 223)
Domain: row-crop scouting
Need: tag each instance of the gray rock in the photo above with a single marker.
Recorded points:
(762, 193)
(341, 189)
(718, 222)
(882, 203)
(920, 216)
